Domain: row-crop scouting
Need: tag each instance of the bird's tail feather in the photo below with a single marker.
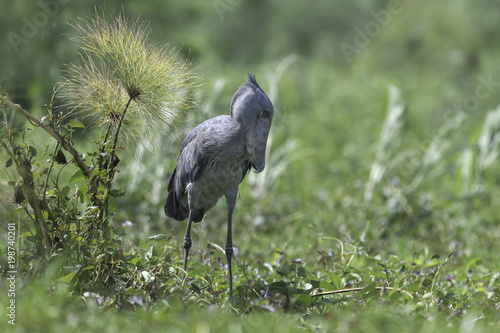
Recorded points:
(174, 209)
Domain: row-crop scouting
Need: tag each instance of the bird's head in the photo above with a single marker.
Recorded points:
(252, 108)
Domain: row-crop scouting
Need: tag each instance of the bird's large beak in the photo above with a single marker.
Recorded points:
(256, 143)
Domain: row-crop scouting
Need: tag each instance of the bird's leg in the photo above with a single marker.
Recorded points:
(187, 245)
(229, 255)
(192, 198)
(231, 203)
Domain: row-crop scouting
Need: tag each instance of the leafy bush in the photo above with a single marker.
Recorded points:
(133, 88)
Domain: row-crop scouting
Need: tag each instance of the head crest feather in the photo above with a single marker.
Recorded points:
(250, 83)
(251, 80)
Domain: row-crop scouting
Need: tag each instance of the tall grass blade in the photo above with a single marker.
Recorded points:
(488, 140)
(388, 139)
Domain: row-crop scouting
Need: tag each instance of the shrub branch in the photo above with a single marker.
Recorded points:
(64, 143)
(348, 290)
(23, 167)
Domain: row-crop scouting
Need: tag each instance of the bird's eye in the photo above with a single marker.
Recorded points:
(266, 113)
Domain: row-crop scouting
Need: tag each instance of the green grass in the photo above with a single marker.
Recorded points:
(311, 228)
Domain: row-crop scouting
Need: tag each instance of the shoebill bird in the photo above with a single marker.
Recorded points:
(215, 158)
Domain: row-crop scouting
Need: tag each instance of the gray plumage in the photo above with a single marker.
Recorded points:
(216, 156)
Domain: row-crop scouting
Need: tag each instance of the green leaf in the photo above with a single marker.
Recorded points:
(26, 234)
(471, 263)
(370, 292)
(65, 191)
(78, 175)
(336, 280)
(304, 298)
(32, 151)
(413, 287)
(301, 271)
(18, 210)
(427, 282)
(278, 287)
(134, 261)
(67, 278)
(76, 123)
(81, 191)
(322, 285)
(285, 270)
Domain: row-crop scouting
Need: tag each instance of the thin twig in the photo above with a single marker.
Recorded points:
(76, 156)
(104, 143)
(438, 269)
(23, 167)
(340, 291)
(111, 171)
(44, 194)
(115, 141)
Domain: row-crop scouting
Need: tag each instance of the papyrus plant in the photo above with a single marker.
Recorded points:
(134, 88)
(126, 80)
(135, 91)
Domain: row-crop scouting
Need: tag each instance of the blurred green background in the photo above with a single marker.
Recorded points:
(327, 66)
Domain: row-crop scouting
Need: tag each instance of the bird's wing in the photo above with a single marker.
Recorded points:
(190, 163)
(199, 141)
(191, 159)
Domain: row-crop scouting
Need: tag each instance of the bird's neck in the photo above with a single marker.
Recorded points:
(235, 139)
